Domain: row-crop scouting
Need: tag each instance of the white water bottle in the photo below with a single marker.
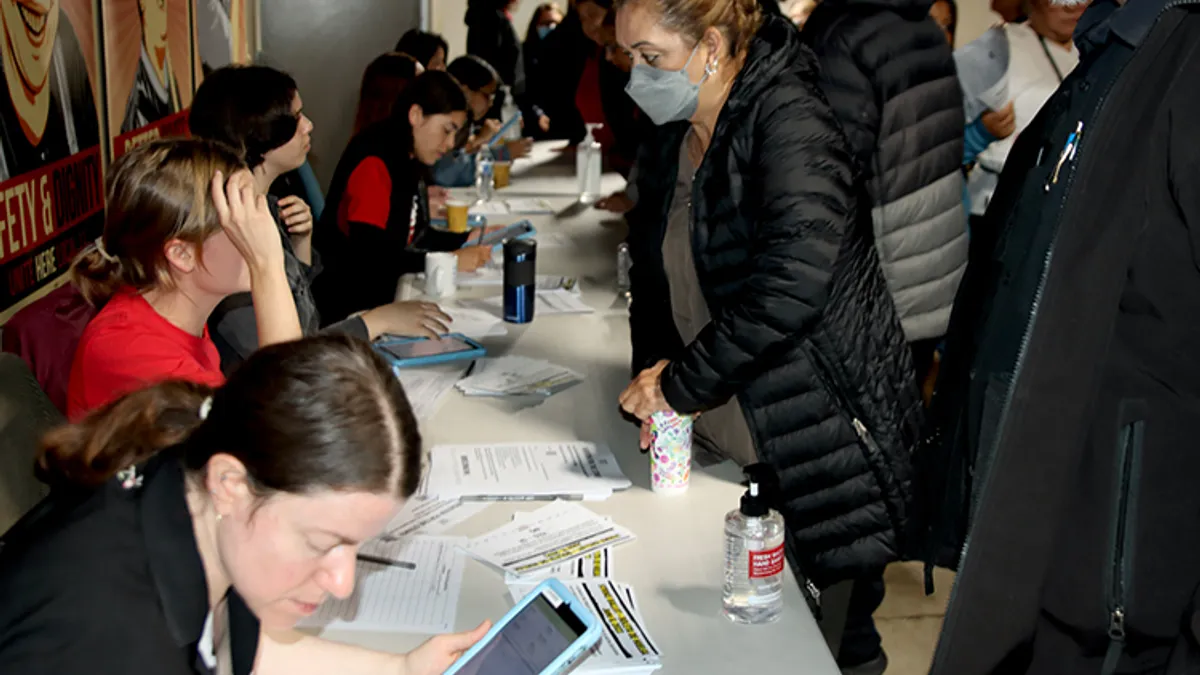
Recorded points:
(485, 167)
(588, 161)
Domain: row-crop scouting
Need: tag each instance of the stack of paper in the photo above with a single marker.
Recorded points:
(625, 647)
(593, 566)
(517, 376)
(554, 535)
(426, 387)
(524, 471)
(409, 586)
(495, 278)
(426, 515)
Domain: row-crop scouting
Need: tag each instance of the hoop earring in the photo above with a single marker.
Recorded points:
(710, 69)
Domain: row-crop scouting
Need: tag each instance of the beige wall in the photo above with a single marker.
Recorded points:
(974, 17)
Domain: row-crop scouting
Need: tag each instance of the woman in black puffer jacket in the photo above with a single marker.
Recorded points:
(757, 296)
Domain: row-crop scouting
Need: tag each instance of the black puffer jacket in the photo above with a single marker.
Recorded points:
(803, 329)
(890, 77)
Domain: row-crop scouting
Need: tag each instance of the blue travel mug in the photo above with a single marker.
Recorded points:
(520, 280)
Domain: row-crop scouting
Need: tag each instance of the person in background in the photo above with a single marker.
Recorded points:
(1061, 457)
(185, 227)
(889, 74)
(480, 83)
(377, 226)
(945, 15)
(382, 82)
(1041, 53)
(258, 110)
(213, 520)
(429, 49)
(543, 22)
(757, 296)
(577, 85)
(492, 37)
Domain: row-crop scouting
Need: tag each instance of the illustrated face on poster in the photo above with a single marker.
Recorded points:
(148, 56)
(51, 187)
(43, 117)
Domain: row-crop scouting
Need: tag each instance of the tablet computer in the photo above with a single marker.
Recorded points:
(519, 230)
(545, 634)
(406, 352)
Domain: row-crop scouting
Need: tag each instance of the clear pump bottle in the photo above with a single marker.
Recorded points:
(588, 163)
(754, 557)
(485, 186)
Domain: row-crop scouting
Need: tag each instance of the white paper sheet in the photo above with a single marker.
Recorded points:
(547, 303)
(424, 515)
(495, 278)
(514, 206)
(521, 470)
(476, 324)
(427, 387)
(593, 566)
(555, 534)
(395, 599)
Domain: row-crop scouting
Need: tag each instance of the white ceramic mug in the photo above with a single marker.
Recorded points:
(441, 274)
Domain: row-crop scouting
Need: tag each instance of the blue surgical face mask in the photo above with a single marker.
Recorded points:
(666, 95)
(543, 31)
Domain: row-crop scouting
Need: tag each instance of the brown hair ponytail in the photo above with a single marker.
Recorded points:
(738, 20)
(123, 433)
(157, 192)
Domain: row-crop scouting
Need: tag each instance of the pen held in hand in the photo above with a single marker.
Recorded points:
(403, 564)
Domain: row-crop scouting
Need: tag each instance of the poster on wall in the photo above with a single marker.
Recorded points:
(51, 181)
(221, 34)
(148, 56)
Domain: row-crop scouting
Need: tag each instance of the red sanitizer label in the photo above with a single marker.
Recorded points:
(765, 564)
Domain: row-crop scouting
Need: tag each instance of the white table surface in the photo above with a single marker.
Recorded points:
(675, 565)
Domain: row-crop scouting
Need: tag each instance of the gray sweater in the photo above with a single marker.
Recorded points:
(234, 328)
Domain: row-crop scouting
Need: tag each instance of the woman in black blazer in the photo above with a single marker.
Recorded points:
(189, 529)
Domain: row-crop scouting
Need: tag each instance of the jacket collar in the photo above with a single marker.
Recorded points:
(171, 549)
(775, 49)
(1130, 23)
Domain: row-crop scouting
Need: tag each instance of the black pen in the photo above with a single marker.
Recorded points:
(384, 561)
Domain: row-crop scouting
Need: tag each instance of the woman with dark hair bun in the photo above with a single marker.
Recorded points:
(429, 49)
(377, 226)
(258, 110)
(189, 528)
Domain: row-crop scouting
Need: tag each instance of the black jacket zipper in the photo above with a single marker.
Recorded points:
(1124, 517)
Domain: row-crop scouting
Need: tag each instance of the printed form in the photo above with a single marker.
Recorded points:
(569, 469)
(417, 594)
(555, 534)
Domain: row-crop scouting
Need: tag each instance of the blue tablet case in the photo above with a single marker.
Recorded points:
(476, 352)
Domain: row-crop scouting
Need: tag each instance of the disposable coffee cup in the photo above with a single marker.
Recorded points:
(670, 453)
(456, 215)
(502, 173)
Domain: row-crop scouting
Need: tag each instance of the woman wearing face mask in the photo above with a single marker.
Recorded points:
(757, 298)
(480, 83)
(212, 520)
(185, 227)
(543, 22)
(376, 226)
(259, 110)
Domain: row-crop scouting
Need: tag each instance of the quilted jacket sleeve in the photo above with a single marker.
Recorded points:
(804, 200)
(852, 95)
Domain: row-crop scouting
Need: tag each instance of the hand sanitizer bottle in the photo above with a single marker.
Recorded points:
(485, 182)
(754, 558)
(508, 111)
(588, 166)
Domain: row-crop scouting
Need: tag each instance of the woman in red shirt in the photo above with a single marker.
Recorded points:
(185, 227)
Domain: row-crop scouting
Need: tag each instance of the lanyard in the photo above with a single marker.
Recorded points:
(1050, 58)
